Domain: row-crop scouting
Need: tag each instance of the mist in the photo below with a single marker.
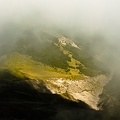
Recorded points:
(91, 18)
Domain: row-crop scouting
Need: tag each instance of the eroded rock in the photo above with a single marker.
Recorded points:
(87, 90)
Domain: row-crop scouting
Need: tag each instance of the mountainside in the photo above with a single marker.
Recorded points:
(54, 50)
(49, 65)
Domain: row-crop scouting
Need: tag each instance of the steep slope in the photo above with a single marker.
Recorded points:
(59, 62)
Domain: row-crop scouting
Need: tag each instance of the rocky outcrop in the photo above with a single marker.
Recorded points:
(87, 90)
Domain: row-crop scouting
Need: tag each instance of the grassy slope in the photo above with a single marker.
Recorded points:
(86, 59)
(24, 66)
(48, 59)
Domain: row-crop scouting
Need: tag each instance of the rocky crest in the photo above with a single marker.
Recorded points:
(87, 90)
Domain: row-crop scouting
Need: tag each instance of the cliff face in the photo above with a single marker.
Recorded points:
(87, 90)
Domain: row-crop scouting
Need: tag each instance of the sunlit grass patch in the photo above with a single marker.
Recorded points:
(24, 66)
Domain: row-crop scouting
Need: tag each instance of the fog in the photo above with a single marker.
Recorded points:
(76, 17)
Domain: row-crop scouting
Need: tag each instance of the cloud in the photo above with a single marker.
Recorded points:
(90, 17)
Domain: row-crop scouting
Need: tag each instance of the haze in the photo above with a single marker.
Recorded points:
(76, 17)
